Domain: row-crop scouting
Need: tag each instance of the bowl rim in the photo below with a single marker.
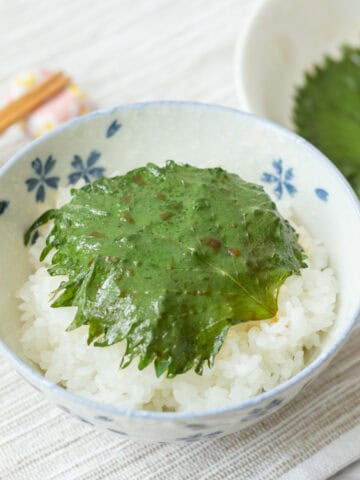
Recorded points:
(108, 409)
(238, 57)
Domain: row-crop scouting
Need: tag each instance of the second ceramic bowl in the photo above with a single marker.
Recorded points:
(281, 41)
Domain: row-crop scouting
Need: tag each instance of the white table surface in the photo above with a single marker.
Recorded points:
(126, 50)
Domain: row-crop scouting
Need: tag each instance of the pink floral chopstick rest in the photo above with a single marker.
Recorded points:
(68, 104)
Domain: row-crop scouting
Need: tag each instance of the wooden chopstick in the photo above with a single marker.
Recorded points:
(21, 107)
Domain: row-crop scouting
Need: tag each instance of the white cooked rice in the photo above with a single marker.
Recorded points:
(255, 357)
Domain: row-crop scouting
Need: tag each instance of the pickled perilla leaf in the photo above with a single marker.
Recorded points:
(169, 259)
(327, 112)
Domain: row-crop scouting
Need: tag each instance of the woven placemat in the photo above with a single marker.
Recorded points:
(40, 441)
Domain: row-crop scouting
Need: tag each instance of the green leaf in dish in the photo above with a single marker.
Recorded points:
(327, 112)
(169, 259)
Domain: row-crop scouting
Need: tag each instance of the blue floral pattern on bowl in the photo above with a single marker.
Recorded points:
(34, 237)
(4, 204)
(281, 179)
(87, 170)
(113, 128)
(42, 180)
(322, 194)
(262, 411)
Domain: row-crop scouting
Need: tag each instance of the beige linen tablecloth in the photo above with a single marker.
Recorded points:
(123, 51)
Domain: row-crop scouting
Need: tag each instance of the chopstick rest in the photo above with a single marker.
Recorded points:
(56, 98)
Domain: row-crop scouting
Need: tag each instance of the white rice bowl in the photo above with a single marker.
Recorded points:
(255, 357)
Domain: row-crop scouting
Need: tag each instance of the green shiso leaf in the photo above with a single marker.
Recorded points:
(327, 112)
(169, 259)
